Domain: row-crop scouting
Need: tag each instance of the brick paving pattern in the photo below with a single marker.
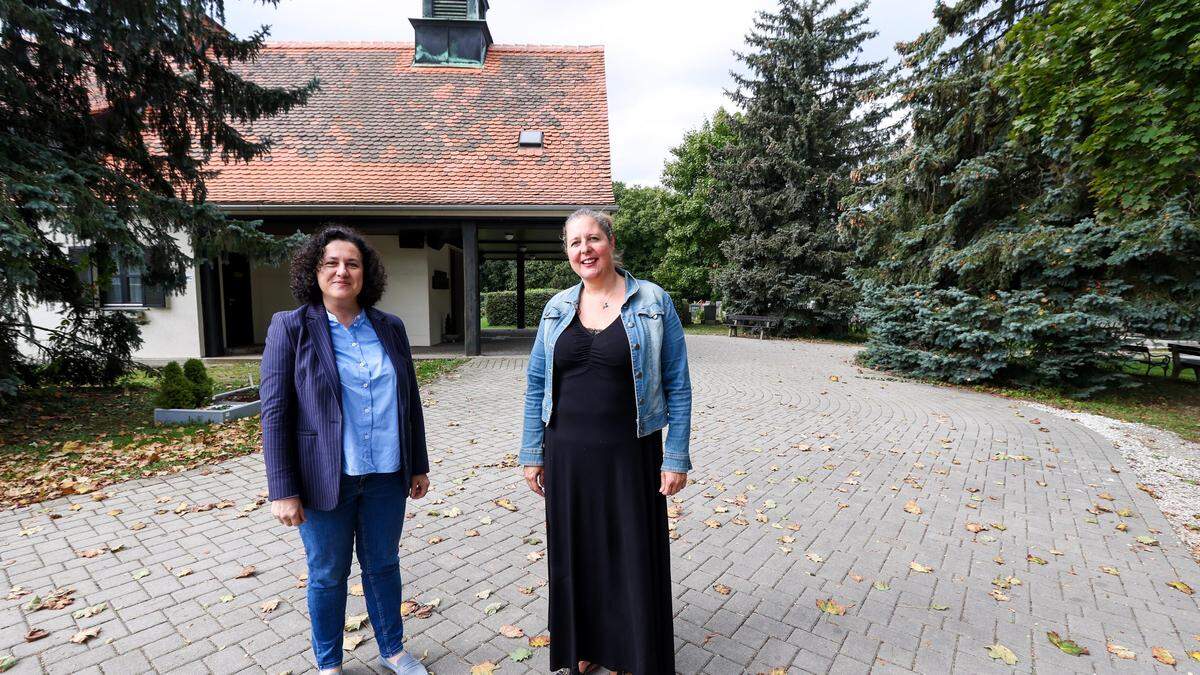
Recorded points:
(828, 464)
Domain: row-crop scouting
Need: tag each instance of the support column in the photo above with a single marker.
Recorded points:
(520, 287)
(470, 238)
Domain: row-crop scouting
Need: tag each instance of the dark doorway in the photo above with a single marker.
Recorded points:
(456, 292)
(235, 284)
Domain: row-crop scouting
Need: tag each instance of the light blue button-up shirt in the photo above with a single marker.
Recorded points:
(370, 419)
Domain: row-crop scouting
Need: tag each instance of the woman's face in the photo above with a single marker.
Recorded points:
(589, 250)
(340, 271)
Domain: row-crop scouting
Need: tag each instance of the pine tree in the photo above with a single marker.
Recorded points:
(114, 113)
(989, 250)
(812, 117)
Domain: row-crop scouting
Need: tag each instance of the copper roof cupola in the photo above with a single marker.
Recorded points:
(452, 33)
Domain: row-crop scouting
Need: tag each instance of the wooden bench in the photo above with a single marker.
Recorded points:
(1185, 355)
(751, 323)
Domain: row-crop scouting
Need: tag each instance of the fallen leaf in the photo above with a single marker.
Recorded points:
(269, 606)
(830, 607)
(89, 611)
(1195, 655)
(471, 533)
(1147, 540)
(483, 595)
(506, 503)
(520, 654)
(999, 651)
(534, 556)
(975, 528)
(1108, 569)
(141, 574)
(494, 607)
(1163, 656)
(814, 557)
(485, 668)
(85, 635)
(1066, 646)
(183, 572)
(1034, 559)
(856, 577)
(1105, 495)
(939, 608)
(435, 539)
(539, 641)
(90, 553)
(1181, 587)
(712, 523)
(918, 567)
(881, 586)
(356, 622)
(998, 595)
(722, 589)
(352, 642)
(1121, 652)
(247, 572)
(912, 507)
(510, 631)
(7, 662)
(36, 634)
(228, 597)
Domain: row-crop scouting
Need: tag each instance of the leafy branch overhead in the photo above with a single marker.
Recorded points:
(108, 142)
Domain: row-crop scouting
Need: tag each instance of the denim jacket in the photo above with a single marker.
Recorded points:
(661, 383)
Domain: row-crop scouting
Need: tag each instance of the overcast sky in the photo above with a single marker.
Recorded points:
(667, 61)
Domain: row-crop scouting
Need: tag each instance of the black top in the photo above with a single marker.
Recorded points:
(597, 370)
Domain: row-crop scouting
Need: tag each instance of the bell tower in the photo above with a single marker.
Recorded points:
(452, 33)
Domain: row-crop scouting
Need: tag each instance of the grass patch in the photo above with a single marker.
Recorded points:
(705, 329)
(87, 437)
(1160, 402)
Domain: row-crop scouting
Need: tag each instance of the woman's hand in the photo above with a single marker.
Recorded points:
(419, 487)
(672, 482)
(535, 478)
(288, 511)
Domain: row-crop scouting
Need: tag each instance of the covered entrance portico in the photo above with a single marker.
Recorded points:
(432, 259)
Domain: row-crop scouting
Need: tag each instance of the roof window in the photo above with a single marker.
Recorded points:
(530, 139)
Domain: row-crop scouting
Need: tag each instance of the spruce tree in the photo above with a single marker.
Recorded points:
(114, 114)
(812, 116)
(996, 245)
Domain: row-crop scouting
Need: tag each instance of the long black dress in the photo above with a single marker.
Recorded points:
(607, 540)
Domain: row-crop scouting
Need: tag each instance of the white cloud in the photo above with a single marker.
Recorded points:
(667, 61)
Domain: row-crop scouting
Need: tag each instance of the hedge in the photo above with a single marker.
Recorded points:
(500, 307)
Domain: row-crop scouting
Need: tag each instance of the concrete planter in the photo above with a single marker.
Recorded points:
(216, 412)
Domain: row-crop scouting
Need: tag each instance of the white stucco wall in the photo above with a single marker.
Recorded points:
(172, 332)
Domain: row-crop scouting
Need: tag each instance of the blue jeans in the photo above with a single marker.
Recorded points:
(370, 516)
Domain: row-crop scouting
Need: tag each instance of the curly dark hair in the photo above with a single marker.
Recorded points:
(305, 260)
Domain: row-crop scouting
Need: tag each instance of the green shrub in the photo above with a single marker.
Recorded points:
(174, 389)
(682, 307)
(500, 307)
(1011, 337)
(201, 383)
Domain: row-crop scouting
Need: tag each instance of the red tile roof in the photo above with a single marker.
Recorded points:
(381, 131)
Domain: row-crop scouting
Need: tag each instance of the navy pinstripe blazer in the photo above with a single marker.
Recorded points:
(302, 405)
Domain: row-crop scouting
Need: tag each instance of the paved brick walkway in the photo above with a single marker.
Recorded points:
(829, 465)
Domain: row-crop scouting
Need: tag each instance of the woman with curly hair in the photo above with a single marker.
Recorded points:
(344, 437)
